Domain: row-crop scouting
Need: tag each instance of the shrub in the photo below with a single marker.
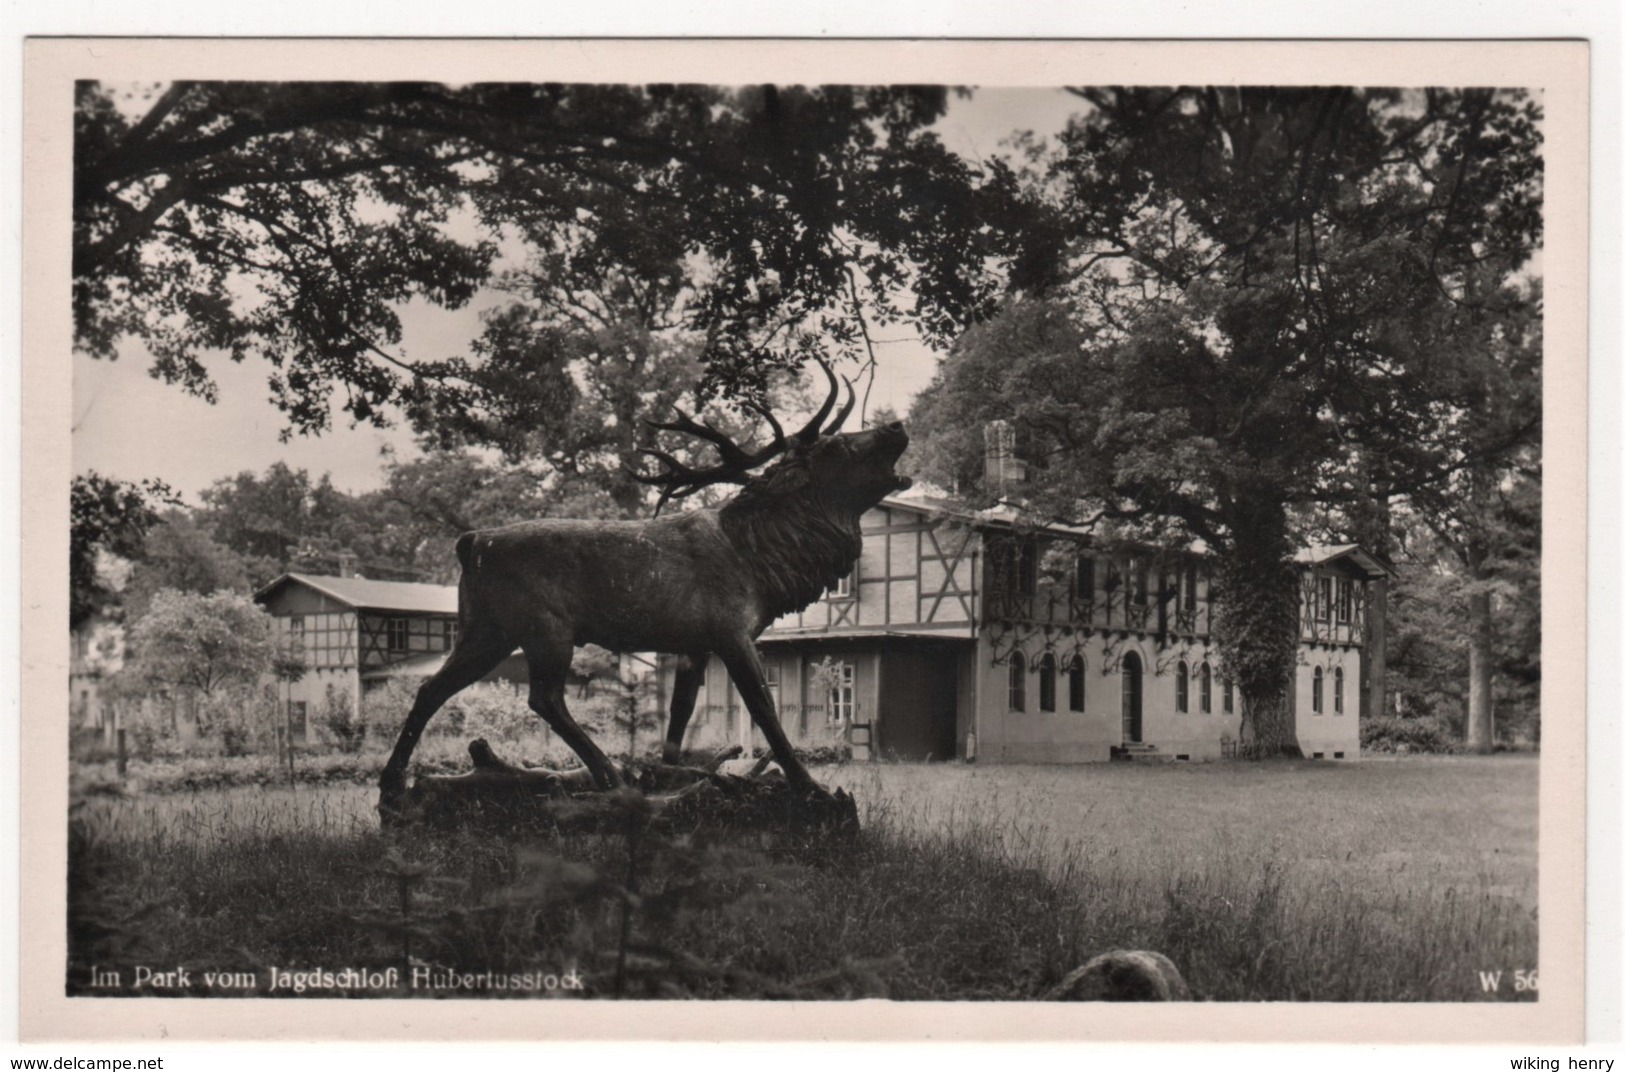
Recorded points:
(150, 729)
(387, 704)
(88, 744)
(493, 711)
(825, 755)
(347, 726)
(1386, 733)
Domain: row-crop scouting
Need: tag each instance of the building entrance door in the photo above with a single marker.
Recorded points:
(918, 704)
(1131, 699)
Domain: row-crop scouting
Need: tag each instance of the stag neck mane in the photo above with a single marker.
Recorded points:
(796, 544)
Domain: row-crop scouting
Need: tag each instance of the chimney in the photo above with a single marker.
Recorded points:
(1000, 468)
(347, 564)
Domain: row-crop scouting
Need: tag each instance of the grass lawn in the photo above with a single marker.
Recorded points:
(1383, 880)
(1382, 826)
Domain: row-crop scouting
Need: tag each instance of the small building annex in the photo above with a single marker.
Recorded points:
(970, 636)
(356, 633)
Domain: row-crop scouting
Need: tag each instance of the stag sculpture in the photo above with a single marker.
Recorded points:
(694, 584)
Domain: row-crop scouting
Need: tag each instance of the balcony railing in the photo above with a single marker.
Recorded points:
(1110, 610)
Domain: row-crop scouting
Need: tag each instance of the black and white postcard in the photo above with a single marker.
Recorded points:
(845, 540)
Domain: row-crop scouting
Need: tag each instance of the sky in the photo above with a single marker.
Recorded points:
(129, 425)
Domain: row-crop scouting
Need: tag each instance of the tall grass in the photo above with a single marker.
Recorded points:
(964, 885)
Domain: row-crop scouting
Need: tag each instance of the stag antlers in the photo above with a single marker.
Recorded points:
(679, 481)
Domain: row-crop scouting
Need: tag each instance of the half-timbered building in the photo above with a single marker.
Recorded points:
(354, 633)
(980, 636)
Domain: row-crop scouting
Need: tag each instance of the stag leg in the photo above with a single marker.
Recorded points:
(547, 674)
(685, 690)
(745, 667)
(477, 653)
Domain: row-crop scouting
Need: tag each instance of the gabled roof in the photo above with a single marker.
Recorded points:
(363, 593)
(925, 499)
(1353, 553)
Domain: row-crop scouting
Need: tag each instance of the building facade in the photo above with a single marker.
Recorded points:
(96, 652)
(971, 636)
(354, 634)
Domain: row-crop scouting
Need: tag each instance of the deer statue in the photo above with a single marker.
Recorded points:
(695, 584)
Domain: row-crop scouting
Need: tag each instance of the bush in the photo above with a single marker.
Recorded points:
(88, 744)
(346, 725)
(489, 709)
(828, 755)
(386, 705)
(150, 730)
(243, 720)
(493, 711)
(1389, 734)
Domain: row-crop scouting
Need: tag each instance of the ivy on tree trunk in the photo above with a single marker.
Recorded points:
(1256, 624)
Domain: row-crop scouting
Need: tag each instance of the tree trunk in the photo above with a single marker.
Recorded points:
(1480, 680)
(1267, 726)
(1371, 525)
(1374, 667)
(1256, 624)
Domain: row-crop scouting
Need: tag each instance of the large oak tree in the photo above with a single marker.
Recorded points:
(1244, 306)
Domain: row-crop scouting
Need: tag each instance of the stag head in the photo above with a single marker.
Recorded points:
(854, 470)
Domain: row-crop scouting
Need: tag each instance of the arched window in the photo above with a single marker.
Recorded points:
(1182, 688)
(1337, 691)
(1206, 695)
(1229, 697)
(1046, 682)
(1317, 699)
(1074, 683)
(1018, 682)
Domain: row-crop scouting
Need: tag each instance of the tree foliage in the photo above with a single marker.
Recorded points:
(106, 517)
(284, 519)
(1430, 649)
(200, 644)
(431, 500)
(586, 358)
(293, 220)
(180, 555)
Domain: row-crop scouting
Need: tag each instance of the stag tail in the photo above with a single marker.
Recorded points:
(677, 481)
